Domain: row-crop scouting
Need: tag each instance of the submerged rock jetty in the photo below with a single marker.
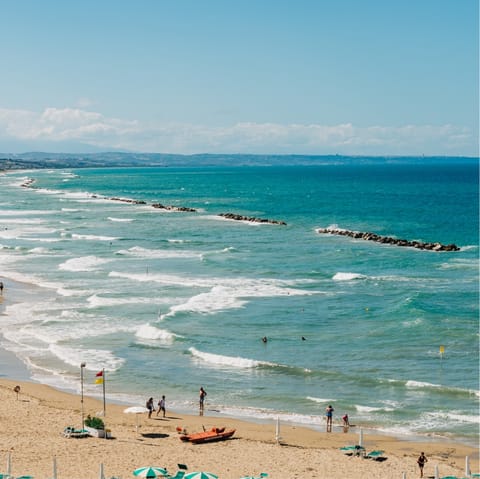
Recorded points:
(389, 240)
(233, 216)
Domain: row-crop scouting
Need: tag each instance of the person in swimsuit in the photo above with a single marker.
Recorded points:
(149, 406)
(421, 462)
(203, 393)
(329, 413)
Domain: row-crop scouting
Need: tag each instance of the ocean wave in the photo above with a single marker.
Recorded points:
(97, 358)
(319, 400)
(411, 384)
(229, 361)
(151, 333)
(368, 409)
(348, 276)
(84, 263)
(93, 237)
(120, 220)
(97, 301)
(139, 252)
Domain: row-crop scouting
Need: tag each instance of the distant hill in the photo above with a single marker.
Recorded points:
(34, 160)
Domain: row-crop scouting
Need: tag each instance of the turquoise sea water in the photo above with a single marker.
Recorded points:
(170, 301)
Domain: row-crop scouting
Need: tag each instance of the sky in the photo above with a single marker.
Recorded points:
(353, 77)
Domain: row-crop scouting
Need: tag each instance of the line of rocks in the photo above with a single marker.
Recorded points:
(234, 216)
(174, 208)
(389, 240)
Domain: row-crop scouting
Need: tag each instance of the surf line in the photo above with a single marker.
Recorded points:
(389, 240)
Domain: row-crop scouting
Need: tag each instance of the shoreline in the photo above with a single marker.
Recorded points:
(12, 367)
(32, 428)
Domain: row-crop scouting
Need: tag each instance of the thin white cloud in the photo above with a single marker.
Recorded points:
(92, 128)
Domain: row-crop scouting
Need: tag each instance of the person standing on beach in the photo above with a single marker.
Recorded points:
(161, 406)
(1, 287)
(203, 394)
(421, 462)
(329, 413)
(150, 407)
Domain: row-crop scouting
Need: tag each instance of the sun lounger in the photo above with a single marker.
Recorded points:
(70, 431)
(353, 450)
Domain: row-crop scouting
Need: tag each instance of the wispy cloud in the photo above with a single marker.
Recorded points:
(91, 128)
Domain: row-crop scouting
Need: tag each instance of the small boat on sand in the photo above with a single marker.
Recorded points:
(214, 434)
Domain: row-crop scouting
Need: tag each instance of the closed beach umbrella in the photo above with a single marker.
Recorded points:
(360, 439)
(54, 476)
(136, 410)
(102, 475)
(9, 463)
(436, 472)
(200, 475)
(467, 466)
(150, 472)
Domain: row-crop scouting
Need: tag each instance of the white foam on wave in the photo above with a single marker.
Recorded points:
(348, 276)
(93, 237)
(367, 409)
(218, 299)
(120, 220)
(151, 333)
(39, 250)
(97, 358)
(421, 384)
(319, 400)
(139, 252)
(223, 294)
(454, 416)
(97, 301)
(227, 361)
(84, 263)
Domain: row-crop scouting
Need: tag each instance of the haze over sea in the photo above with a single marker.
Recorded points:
(169, 301)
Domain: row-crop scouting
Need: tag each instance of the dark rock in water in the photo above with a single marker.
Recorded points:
(234, 216)
(128, 200)
(389, 240)
(173, 208)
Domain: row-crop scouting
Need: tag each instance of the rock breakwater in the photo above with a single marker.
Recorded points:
(389, 240)
(252, 219)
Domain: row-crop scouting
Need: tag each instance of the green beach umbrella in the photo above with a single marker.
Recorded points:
(150, 472)
(200, 475)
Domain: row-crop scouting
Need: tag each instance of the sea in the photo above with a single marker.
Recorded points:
(163, 301)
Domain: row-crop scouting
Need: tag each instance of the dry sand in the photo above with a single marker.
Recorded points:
(31, 428)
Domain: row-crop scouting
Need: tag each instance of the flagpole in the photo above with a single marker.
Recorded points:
(104, 407)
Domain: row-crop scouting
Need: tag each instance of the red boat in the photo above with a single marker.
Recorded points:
(214, 434)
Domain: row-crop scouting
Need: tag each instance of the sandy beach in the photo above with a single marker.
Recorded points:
(32, 425)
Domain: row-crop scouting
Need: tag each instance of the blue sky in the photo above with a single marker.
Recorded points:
(386, 77)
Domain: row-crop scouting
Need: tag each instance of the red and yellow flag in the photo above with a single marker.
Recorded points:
(99, 378)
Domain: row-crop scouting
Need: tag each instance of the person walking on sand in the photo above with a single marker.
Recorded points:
(203, 394)
(421, 462)
(149, 406)
(161, 406)
(329, 413)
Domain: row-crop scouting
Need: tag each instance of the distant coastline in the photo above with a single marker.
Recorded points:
(40, 160)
